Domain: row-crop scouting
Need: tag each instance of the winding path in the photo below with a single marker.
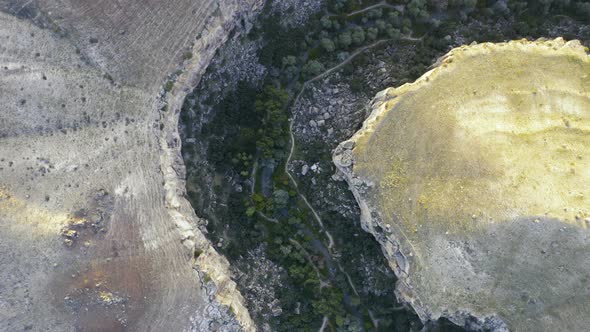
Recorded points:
(292, 147)
(292, 120)
(382, 4)
(324, 324)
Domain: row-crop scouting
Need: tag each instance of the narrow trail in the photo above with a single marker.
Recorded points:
(292, 149)
(382, 4)
(348, 279)
(346, 61)
(267, 218)
(324, 324)
(253, 176)
(313, 211)
(292, 120)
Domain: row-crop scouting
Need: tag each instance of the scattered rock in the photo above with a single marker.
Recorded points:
(304, 169)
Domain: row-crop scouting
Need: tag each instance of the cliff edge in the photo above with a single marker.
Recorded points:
(475, 180)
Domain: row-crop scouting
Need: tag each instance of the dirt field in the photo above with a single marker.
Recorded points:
(95, 234)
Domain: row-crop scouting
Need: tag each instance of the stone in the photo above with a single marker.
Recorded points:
(347, 145)
(304, 169)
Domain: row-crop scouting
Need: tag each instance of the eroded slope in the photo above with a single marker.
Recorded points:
(475, 180)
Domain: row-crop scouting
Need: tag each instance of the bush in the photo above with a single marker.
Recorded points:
(168, 86)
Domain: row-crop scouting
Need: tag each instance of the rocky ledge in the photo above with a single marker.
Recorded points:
(474, 179)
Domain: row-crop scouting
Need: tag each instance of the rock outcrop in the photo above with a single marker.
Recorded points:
(475, 180)
(95, 232)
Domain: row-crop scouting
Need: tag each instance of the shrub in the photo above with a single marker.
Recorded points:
(168, 86)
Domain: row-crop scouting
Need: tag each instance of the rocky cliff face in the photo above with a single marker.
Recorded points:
(94, 228)
(474, 180)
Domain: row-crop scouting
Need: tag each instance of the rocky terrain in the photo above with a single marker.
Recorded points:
(472, 179)
(95, 232)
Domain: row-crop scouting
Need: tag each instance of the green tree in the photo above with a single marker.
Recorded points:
(395, 19)
(407, 24)
(375, 13)
(417, 9)
(372, 33)
(393, 33)
(583, 9)
(313, 68)
(358, 36)
(468, 4)
(326, 22)
(328, 44)
(345, 39)
(250, 211)
(271, 107)
(280, 198)
(381, 25)
(289, 60)
(330, 304)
